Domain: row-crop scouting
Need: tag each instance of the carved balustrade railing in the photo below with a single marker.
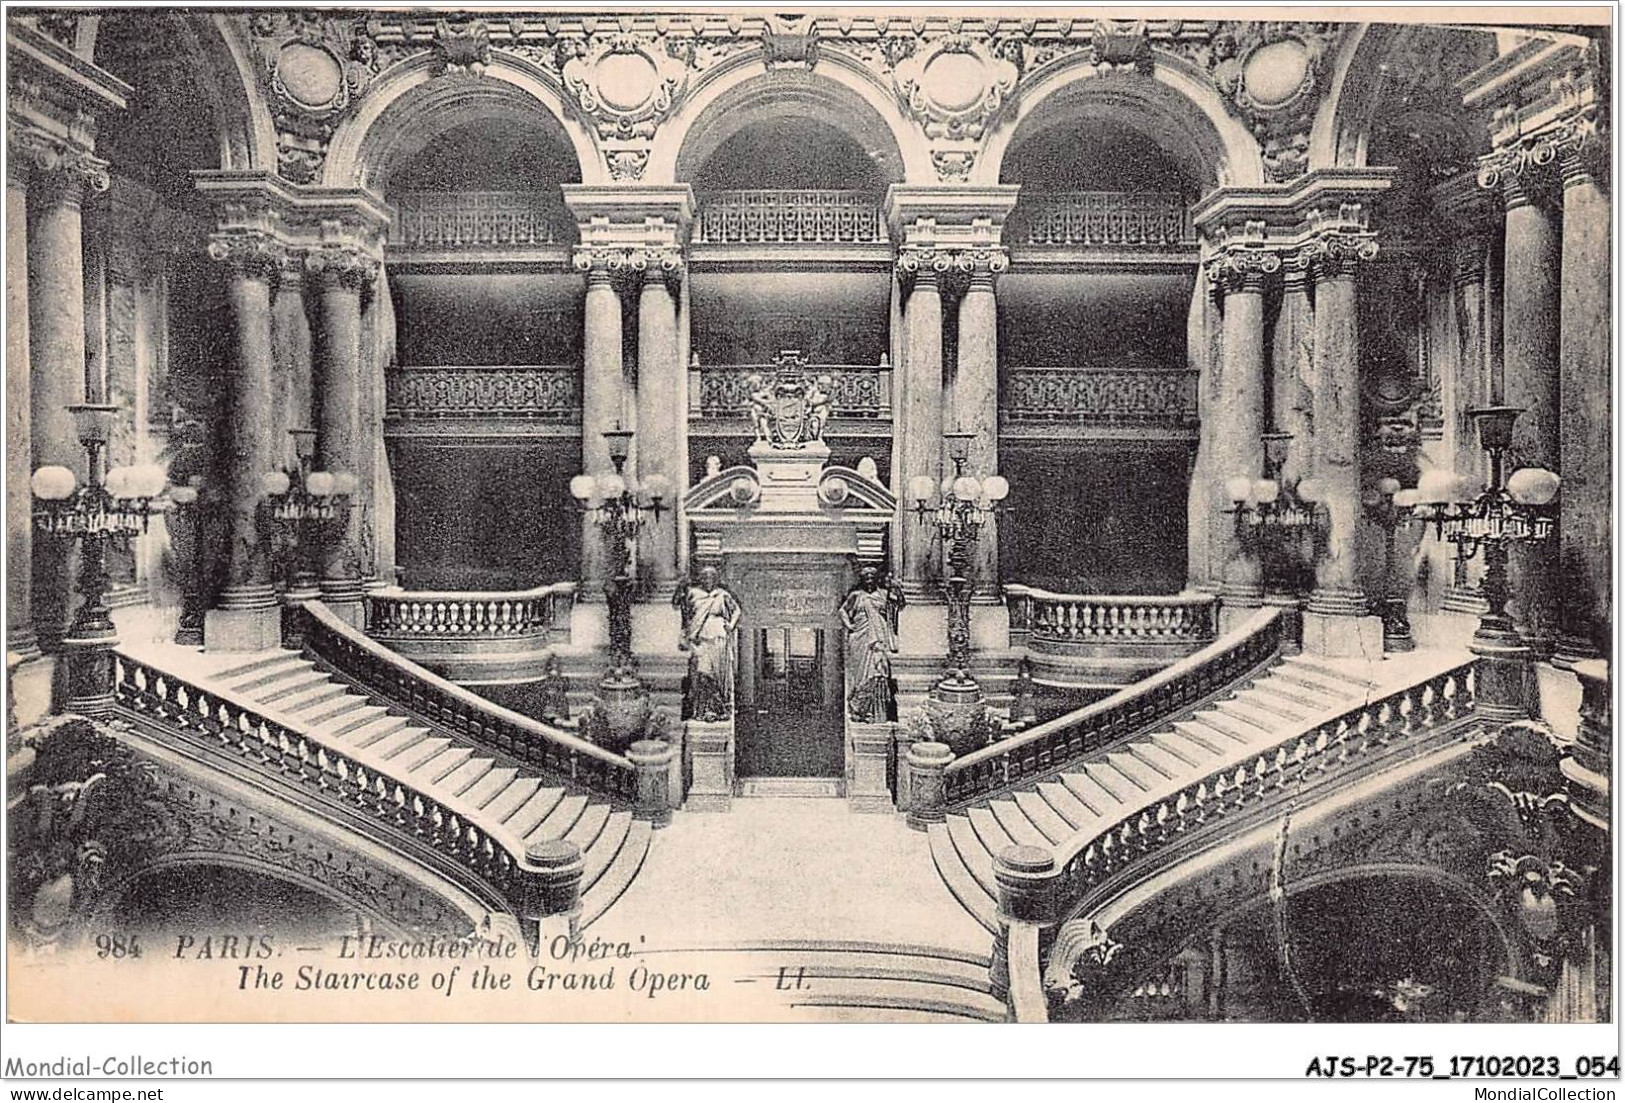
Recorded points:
(1046, 617)
(856, 391)
(789, 216)
(488, 858)
(478, 220)
(1179, 688)
(482, 391)
(1101, 218)
(426, 695)
(1101, 396)
(1338, 741)
(495, 615)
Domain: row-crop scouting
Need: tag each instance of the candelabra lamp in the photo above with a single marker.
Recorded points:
(1390, 507)
(958, 508)
(111, 507)
(190, 505)
(1516, 509)
(619, 508)
(1274, 517)
(305, 504)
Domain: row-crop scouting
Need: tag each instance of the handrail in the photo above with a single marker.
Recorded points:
(448, 705)
(271, 740)
(1049, 746)
(1336, 735)
(1068, 618)
(450, 614)
(1027, 1001)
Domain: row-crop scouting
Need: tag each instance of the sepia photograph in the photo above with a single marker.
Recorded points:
(810, 515)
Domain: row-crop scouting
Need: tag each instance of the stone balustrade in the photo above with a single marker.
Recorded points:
(856, 391)
(1044, 617)
(436, 701)
(543, 393)
(1099, 218)
(1050, 746)
(422, 616)
(1164, 397)
(824, 216)
(483, 220)
(475, 849)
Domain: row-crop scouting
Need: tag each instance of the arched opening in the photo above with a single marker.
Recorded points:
(790, 252)
(158, 332)
(189, 911)
(483, 303)
(1096, 299)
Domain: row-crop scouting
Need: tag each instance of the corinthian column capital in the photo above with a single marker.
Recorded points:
(917, 263)
(252, 254)
(340, 266)
(1339, 253)
(981, 265)
(69, 173)
(1242, 269)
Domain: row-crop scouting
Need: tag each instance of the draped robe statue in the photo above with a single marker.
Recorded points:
(869, 615)
(710, 614)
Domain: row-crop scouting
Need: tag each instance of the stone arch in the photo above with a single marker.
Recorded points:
(840, 93)
(1177, 107)
(410, 105)
(222, 65)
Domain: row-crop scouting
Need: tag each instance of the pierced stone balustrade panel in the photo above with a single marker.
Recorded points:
(856, 392)
(475, 392)
(1087, 619)
(1100, 396)
(1089, 219)
(823, 216)
(492, 220)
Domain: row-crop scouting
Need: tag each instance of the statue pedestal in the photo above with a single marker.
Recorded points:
(867, 748)
(789, 476)
(710, 749)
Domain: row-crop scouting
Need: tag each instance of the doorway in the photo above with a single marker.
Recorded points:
(793, 724)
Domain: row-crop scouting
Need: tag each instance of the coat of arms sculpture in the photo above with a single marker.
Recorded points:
(790, 407)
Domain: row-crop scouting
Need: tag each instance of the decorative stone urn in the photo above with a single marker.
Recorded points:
(620, 715)
(959, 714)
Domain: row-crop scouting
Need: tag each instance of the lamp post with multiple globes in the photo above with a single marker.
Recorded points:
(111, 507)
(959, 508)
(1271, 513)
(1515, 509)
(306, 502)
(619, 508)
(1390, 507)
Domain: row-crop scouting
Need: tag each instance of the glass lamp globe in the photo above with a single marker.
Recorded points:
(52, 483)
(1266, 491)
(581, 487)
(1238, 488)
(117, 483)
(1436, 486)
(967, 489)
(1309, 489)
(920, 488)
(611, 486)
(148, 480)
(1388, 487)
(321, 483)
(997, 488)
(1533, 486)
(275, 483)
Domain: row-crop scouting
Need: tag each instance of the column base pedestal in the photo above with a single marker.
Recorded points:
(31, 678)
(1339, 636)
(1506, 674)
(867, 747)
(1572, 649)
(89, 666)
(243, 629)
(346, 600)
(1234, 613)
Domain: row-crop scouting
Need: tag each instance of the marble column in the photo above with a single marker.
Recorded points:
(246, 616)
(1466, 389)
(1196, 523)
(56, 328)
(1335, 621)
(603, 388)
(976, 394)
(919, 433)
(369, 400)
(21, 641)
(1237, 447)
(1586, 334)
(1529, 326)
(1293, 378)
(661, 404)
(337, 274)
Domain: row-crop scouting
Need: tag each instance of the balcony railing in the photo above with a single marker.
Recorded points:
(822, 216)
(475, 391)
(1103, 396)
(1096, 618)
(478, 220)
(496, 615)
(856, 392)
(1085, 219)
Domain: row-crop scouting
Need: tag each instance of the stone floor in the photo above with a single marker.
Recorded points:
(778, 868)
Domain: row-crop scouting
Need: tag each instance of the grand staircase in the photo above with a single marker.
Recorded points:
(613, 844)
(1092, 794)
